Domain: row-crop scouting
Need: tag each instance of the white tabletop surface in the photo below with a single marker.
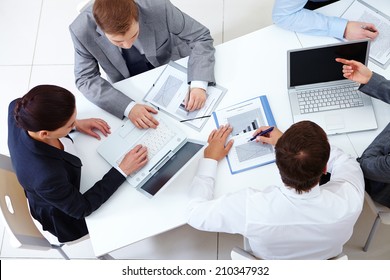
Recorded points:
(249, 66)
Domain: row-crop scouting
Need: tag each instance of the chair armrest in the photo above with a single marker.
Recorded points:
(240, 254)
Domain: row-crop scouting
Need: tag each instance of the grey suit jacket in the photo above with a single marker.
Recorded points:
(375, 160)
(165, 34)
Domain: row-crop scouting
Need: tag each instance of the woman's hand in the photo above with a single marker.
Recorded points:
(134, 160)
(88, 126)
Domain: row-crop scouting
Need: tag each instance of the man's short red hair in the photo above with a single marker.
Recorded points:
(115, 16)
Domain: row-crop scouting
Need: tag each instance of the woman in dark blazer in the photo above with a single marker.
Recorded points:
(42, 156)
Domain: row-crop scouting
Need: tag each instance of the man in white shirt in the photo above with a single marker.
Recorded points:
(300, 220)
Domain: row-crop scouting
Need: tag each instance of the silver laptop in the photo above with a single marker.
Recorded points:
(162, 144)
(318, 91)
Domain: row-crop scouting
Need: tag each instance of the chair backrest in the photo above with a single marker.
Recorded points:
(240, 254)
(15, 212)
(340, 257)
(377, 208)
(370, 203)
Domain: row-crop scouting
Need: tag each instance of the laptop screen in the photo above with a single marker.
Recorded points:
(173, 165)
(318, 65)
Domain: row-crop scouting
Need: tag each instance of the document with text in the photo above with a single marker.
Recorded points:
(171, 92)
(245, 117)
(380, 47)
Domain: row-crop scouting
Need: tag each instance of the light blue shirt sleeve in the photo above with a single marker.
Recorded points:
(290, 14)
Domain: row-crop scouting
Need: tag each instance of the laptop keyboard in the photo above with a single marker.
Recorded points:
(325, 99)
(154, 140)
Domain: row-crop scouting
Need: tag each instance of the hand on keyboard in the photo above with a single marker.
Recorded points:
(141, 116)
(134, 160)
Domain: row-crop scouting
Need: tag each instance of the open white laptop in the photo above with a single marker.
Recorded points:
(163, 144)
(318, 91)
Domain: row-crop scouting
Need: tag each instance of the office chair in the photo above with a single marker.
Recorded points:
(240, 254)
(382, 216)
(246, 254)
(15, 213)
(17, 219)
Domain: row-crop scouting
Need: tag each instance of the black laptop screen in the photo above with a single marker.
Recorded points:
(171, 167)
(318, 65)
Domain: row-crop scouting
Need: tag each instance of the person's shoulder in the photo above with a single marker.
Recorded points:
(152, 4)
(153, 8)
(12, 105)
(84, 21)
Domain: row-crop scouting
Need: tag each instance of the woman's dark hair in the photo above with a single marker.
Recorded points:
(44, 107)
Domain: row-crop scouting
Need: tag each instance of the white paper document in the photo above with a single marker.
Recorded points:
(380, 47)
(245, 118)
(171, 91)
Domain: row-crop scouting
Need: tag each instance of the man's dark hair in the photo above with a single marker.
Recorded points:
(115, 16)
(44, 107)
(301, 155)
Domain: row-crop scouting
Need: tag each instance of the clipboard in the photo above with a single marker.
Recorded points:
(245, 117)
(380, 47)
(170, 91)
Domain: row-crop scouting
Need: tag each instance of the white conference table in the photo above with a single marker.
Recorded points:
(249, 66)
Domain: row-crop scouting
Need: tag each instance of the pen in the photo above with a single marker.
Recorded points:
(367, 28)
(264, 132)
(202, 117)
(187, 98)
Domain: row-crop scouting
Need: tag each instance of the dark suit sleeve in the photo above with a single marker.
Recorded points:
(375, 160)
(59, 192)
(89, 81)
(377, 87)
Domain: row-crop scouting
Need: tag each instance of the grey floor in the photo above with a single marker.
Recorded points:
(36, 48)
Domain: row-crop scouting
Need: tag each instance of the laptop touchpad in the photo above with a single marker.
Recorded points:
(334, 122)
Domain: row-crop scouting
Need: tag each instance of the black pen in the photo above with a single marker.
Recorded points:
(197, 118)
(264, 132)
(367, 28)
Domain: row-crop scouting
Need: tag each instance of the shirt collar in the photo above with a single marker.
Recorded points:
(315, 191)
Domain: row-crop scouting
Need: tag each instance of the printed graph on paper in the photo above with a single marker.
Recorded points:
(252, 150)
(246, 118)
(246, 122)
(170, 93)
(167, 91)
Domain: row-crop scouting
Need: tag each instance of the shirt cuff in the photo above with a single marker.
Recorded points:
(128, 108)
(199, 84)
(207, 167)
(337, 28)
(120, 171)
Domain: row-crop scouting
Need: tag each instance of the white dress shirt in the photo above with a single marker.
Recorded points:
(278, 222)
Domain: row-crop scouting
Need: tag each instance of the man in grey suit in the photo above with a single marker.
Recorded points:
(128, 37)
(375, 160)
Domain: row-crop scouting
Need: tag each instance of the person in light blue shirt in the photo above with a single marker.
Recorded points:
(295, 16)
